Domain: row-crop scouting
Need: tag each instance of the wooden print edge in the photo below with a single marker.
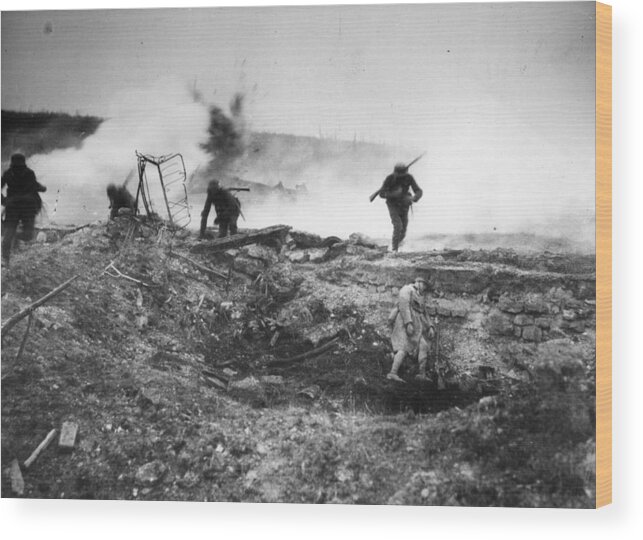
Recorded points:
(603, 254)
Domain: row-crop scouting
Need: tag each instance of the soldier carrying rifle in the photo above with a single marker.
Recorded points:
(395, 190)
(226, 206)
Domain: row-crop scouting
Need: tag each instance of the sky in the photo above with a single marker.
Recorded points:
(500, 96)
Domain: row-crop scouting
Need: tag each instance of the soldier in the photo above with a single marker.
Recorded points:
(226, 206)
(395, 190)
(22, 202)
(412, 329)
(119, 197)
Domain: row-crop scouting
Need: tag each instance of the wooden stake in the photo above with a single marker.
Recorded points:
(44, 444)
(14, 319)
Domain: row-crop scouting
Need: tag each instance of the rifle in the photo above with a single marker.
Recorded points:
(372, 197)
(238, 188)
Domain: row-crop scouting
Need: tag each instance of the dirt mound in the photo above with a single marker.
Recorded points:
(257, 373)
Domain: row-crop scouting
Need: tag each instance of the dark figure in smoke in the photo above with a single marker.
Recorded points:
(226, 206)
(119, 197)
(395, 190)
(22, 202)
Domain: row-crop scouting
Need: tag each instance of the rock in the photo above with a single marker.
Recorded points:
(569, 315)
(249, 383)
(41, 237)
(362, 240)
(141, 321)
(543, 322)
(498, 324)
(517, 331)
(150, 473)
(532, 333)
(298, 256)
(523, 320)
(17, 482)
(304, 240)
(510, 306)
(577, 326)
(262, 253)
(536, 307)
(317, 255)
(444, 311)
(460, 313)
(273, 379)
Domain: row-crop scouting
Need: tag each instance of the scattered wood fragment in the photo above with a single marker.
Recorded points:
(68, 434)
(17, 482)
(118, 274)
(274, 339)
(214, 381)
(304, 356)
(238, 240)
(14, 319)
(205, 269)
(42, 446)
(24, 338)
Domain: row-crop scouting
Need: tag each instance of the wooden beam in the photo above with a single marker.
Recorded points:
(238, 240)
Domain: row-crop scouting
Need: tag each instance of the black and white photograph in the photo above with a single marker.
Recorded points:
(340, 254)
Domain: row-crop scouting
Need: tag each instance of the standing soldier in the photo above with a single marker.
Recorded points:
(226, 206)
(22, 202)
(395, 190)
(412, 329)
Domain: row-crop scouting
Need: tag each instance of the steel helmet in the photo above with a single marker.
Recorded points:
(400, 167)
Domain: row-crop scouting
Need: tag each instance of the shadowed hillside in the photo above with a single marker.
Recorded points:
(42, 132)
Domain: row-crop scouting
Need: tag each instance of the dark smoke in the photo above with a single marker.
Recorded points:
(226, 139)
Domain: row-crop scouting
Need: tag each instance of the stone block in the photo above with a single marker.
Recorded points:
(523, 320)
(543, 322)
(536, 307)
(517, 331)
(510, 306)
(577, 326)
(532, 333)
(67, 439)
(498, 324)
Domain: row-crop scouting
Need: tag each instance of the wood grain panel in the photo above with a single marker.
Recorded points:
(603, 254)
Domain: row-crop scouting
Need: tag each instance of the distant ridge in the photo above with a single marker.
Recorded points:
(42, 132)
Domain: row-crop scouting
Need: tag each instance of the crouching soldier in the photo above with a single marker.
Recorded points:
(22, 203)
(412, 329)
(119, 197)
(226, 206)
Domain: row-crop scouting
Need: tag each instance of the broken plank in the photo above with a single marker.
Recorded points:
(17, 482)
(44, 444)
(238, 240)
(68, 433)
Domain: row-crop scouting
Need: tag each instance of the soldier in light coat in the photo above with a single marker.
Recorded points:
(412, 329)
